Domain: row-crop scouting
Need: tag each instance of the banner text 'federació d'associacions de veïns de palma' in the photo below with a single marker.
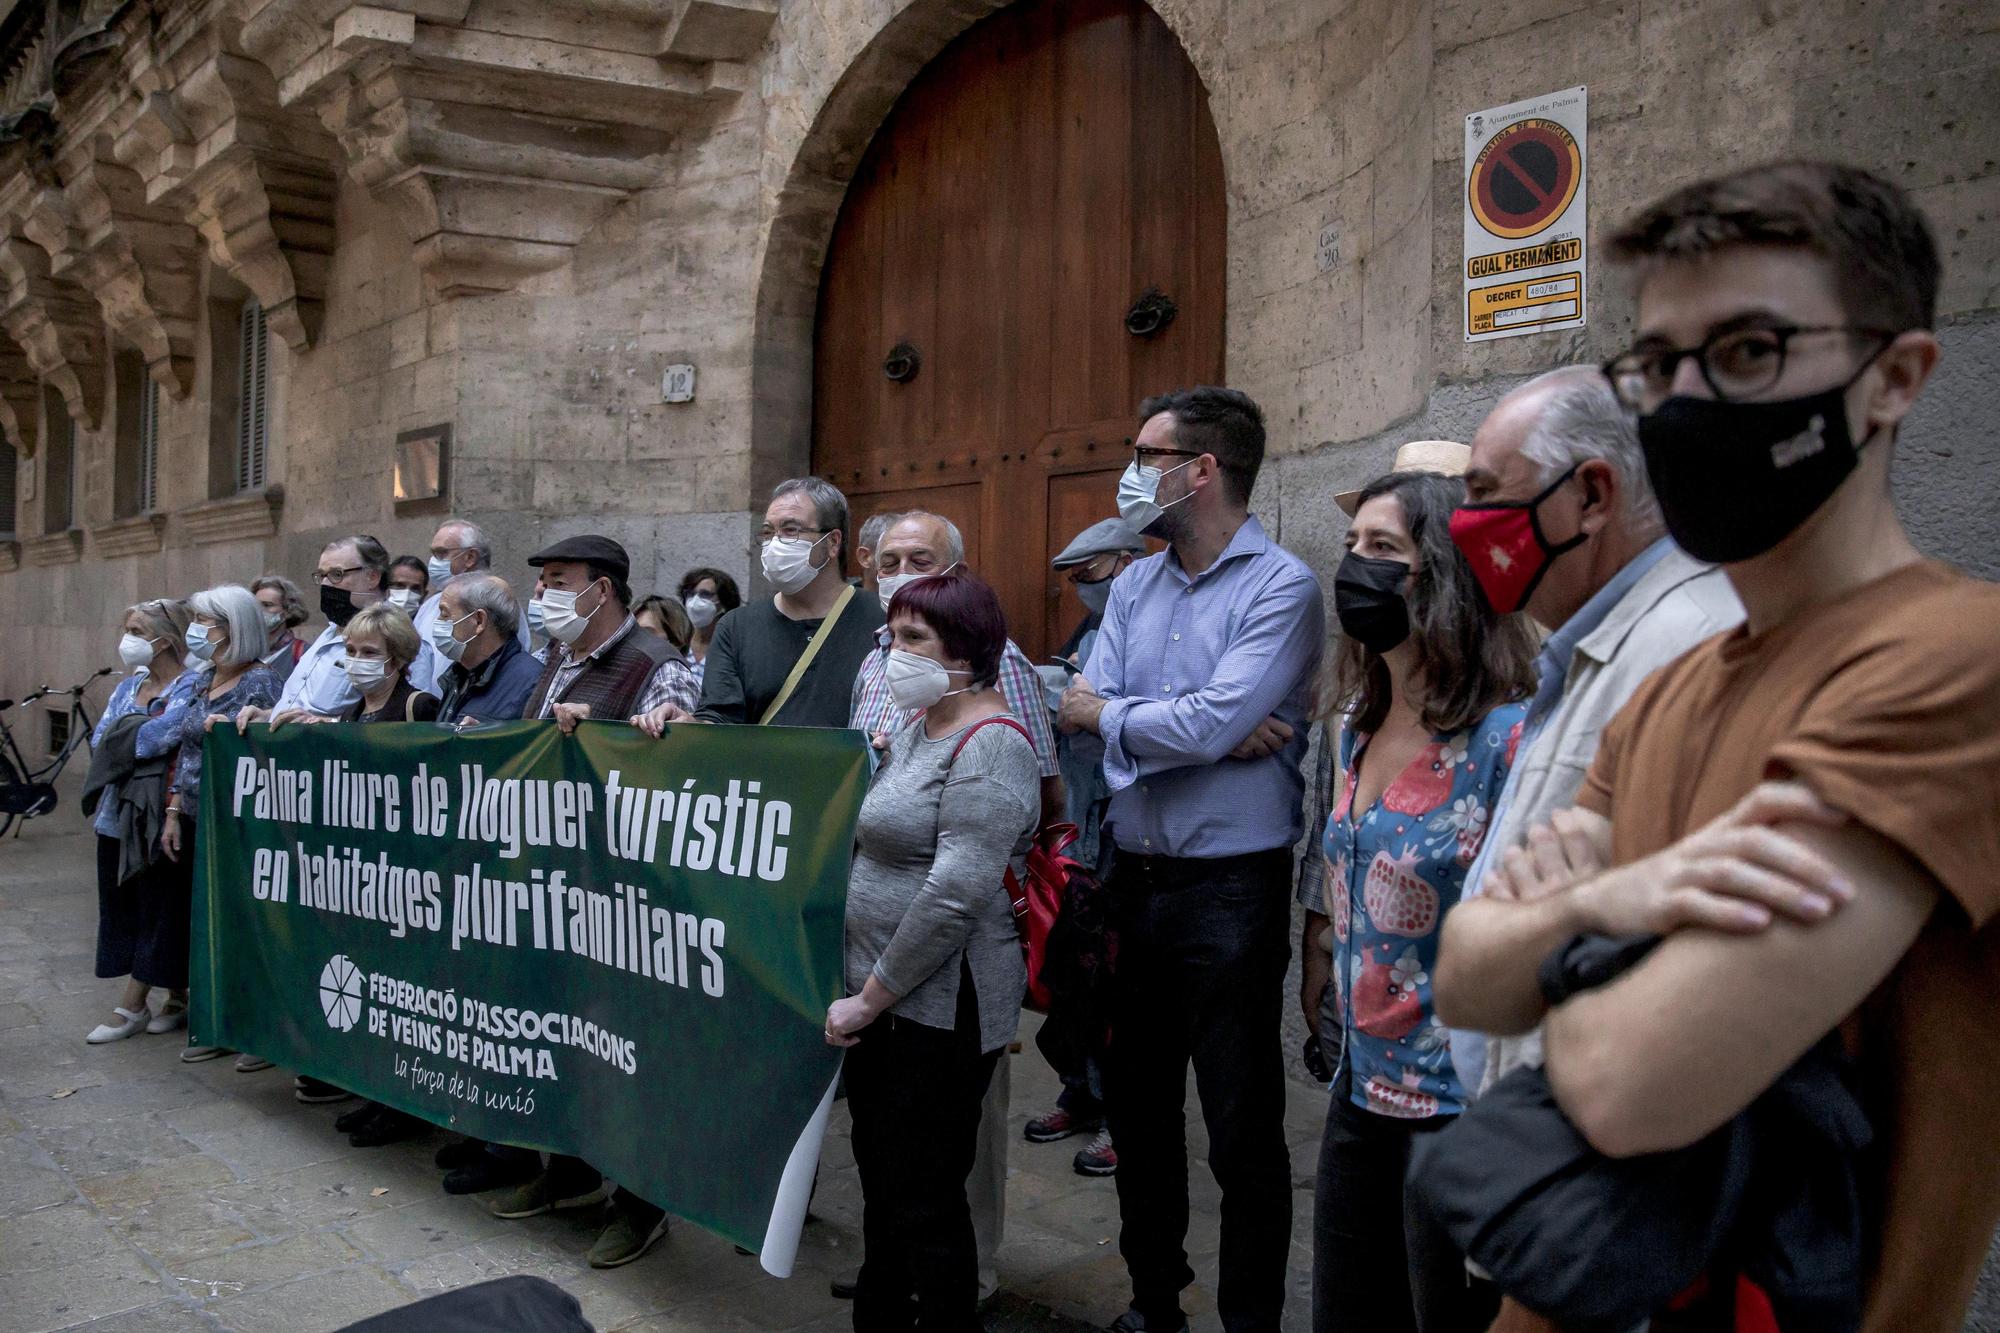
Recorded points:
(598, 944)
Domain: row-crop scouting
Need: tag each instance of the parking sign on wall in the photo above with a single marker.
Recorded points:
(1525, 216)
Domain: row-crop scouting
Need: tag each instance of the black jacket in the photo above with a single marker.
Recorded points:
(142, 792)
(1771, 1200)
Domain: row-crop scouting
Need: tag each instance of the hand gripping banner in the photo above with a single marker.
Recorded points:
(601, 944)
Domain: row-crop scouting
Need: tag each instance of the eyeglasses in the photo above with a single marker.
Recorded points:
(1141, 453)
(1736, 364)
(789, 531)
(446, 552)
(335, 575)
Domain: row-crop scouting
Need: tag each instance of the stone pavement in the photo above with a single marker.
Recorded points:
(139, 1194)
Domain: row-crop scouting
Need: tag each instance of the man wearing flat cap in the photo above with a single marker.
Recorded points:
(600, 663)
(1094, 557)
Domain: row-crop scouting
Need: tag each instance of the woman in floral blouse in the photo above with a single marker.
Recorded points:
(1431, 684)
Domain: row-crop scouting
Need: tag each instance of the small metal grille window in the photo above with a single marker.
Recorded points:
(10, 470)
(67, 459)
(58, 730)
(252, 402)
(149, 447)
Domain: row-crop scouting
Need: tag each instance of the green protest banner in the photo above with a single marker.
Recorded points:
(597, 944)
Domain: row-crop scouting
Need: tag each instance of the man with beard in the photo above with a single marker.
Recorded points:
(1199, 686)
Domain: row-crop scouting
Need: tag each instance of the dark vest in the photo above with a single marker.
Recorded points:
(610, 683)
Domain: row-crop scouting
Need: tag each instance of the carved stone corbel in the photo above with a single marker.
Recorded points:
(500, 151)
(256, 181)
(19, 390)
(140, 259)
(58, 325)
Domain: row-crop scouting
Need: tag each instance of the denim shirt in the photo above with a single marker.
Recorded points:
(184, 719)
(123, 703)
(1397, 870)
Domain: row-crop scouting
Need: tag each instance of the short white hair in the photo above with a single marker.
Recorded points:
(474, 539)
(954, 541)
(241, 617)
(1582, 419)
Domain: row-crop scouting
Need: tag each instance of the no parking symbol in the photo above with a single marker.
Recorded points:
(1525, 216)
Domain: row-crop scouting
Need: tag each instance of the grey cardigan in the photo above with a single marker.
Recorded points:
(928, 888)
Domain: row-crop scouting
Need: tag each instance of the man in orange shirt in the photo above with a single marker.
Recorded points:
(1837, 758)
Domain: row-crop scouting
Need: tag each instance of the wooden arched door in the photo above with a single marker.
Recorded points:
(1042, 175)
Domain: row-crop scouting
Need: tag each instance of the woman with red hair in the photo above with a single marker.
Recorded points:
(934, 966)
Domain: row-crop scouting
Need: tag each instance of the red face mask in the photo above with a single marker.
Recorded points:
(1505, 545)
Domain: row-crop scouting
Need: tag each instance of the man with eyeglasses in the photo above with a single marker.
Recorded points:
(1822, 785)
(459, 548)
(1203, 647)
(769, 660)
(353, 572)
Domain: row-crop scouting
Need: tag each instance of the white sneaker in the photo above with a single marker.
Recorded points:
(168, 1020)
(135, 1022)
(194, 1055)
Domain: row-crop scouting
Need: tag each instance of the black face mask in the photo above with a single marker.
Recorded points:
(1735, 479)
(1368, 599)
(337, 605)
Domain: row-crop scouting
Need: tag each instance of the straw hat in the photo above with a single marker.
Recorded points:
(1446, 457)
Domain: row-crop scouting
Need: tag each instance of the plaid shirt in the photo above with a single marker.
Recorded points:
(875, 711)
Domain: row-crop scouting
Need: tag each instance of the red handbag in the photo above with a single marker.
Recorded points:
(1039, 901)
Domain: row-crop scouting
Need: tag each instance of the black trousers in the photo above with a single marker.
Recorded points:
(914, 1092)
(143, 924)
(1202, 948)
(1379, 1265)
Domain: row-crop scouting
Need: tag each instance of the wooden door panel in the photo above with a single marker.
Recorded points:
(1032, 181)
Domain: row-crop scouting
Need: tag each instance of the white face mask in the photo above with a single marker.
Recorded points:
(445, 639)
(889, 586)
(1136, 491)
(559, 616)
(788, 563)
(439, 570)
(365, 672)
(134, 651)
(273, 621)
(916, 681)
(537, 619)
(200, 646)
(701, 610)
(405, 600)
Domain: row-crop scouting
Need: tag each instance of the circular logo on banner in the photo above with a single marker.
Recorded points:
(1524, 178)
(340, 992)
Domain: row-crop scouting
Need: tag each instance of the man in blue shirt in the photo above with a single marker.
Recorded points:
(488, 675)
(1199, 685)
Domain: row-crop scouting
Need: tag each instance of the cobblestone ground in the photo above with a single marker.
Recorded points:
(138, 1193)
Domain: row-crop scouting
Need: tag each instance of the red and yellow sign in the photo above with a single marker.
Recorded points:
(1524, 178)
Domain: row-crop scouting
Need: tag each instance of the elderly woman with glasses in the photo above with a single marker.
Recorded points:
(225, 675)
(139, 937)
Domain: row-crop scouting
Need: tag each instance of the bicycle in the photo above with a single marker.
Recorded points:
(34, 795)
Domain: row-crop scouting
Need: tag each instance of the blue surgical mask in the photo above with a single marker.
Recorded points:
(1137, 490)
(200, 646)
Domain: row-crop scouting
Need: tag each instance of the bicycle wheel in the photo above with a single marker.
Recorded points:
(9, 775)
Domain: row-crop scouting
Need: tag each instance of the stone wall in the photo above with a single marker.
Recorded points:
(427, 265)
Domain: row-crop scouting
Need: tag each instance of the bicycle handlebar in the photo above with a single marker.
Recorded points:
(47, 691)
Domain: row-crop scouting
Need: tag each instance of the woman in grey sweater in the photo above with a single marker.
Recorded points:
(934, 966)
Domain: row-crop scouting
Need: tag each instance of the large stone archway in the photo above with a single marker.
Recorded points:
(827, 100)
